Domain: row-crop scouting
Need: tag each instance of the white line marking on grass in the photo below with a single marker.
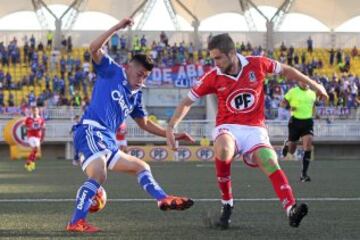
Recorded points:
(40, 200)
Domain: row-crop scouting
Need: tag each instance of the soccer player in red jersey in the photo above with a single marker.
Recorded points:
(238, 83)
(121, 138)
(35, 126)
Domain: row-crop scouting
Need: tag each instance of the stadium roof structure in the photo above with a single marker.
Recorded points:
(332, 13)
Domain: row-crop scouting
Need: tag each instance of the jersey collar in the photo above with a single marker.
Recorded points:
(243, 62)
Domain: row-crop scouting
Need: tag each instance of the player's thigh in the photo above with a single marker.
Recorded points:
(224, 146)
(129, 164)
(96, 169)
(266, 159)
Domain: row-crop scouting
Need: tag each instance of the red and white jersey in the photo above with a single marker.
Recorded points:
(34, 126)
(121, 132)
(240, 98)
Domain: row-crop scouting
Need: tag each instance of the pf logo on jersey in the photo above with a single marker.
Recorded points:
(241, 101)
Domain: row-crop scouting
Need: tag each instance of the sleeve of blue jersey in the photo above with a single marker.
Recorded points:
(102, 67)
(139, 110)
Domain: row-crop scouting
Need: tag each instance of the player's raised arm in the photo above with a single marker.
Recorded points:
(98, 43)
(293, 74)
(179, 114)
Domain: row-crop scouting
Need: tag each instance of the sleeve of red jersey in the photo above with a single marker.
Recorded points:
(271, 66)
(204, 86)
(27, 122)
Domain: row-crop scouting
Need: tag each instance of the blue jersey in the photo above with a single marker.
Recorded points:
(112, 99)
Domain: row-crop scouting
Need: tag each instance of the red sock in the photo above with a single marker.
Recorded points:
(223, 174)
(282, 188)
(32, 156)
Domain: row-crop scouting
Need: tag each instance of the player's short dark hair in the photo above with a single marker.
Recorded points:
(144, 60)
(223, 42)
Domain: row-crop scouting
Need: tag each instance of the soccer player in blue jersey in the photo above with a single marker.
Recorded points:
(116, 94)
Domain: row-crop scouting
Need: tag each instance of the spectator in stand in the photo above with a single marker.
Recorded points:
(40, 47)
(2, 104)
(143, 43)
(309, 45)
(69, 44)
(339, 56)
(32, 42)
(331, 56)
(123, 42)
(11, 102)
(87, 56)
(283, 48)
(354, 52)
(50, 37)
(63, 42)
(114, 42)
(164, 39)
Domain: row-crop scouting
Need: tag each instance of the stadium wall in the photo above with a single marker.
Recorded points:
(323, 150)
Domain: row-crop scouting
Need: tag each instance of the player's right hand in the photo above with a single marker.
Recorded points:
(125, 22)
(321, 91)
(170, 139)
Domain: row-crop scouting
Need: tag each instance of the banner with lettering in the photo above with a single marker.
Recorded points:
(183, 76)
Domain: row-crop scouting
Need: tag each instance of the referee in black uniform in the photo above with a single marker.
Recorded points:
(301, 101)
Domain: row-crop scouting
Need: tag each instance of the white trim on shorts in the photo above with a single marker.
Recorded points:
(33, 142)
(93, 157)
(114, 160)
(247, 139)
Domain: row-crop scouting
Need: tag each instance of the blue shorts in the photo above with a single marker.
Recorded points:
(92, 142)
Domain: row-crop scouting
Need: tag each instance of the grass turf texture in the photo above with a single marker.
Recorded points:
(258, 215)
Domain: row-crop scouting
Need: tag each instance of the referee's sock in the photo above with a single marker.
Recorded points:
(306, 162)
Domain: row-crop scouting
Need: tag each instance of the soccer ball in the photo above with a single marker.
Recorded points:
(99, 201)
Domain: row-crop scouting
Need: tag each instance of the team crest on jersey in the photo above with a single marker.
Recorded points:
(241, 101)
(252, 77)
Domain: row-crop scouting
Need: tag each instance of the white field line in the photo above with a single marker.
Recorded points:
(41, 200)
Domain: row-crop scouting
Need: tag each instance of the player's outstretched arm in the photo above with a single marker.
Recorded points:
(179, 114)
(293, 74)
(156, 129)
(98, 43)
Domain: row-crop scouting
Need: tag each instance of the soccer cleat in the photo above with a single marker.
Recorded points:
(224, 220)
(297, 213)
(30, 166)
(175, 203)
(305, 178)
(285, 149)
(82, 226)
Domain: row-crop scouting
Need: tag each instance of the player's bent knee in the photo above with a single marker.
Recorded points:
(143, 166)
(224, 152)
(267, 159)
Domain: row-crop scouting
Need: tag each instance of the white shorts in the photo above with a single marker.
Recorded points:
(120, 143)
(247, 139)
(34, 142)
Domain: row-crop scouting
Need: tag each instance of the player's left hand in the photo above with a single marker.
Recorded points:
(184, 136)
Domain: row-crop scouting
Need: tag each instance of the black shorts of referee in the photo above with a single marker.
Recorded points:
(299, 128)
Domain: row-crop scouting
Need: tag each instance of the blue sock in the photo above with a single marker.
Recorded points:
(148, 183)
(83, 199)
